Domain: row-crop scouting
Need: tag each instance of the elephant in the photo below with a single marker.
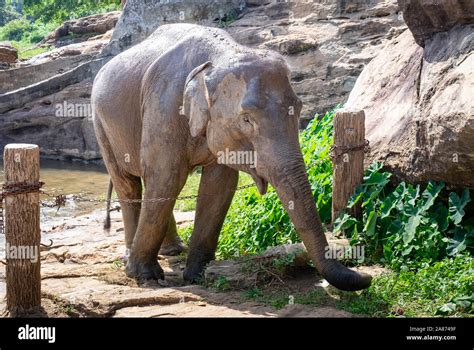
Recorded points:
(177, 101)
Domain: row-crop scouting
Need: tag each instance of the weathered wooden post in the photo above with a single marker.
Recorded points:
(348, 159)
(22, 228)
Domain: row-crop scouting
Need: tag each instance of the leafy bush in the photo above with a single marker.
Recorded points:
(407, 226)
(7, 13)
(57, 11)
(15, 30)
(42, 17)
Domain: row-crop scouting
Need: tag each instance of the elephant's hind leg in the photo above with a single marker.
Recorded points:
(172, 245)
(127, 187)
(154, 221)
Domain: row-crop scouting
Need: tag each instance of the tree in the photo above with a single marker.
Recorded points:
(7, 13)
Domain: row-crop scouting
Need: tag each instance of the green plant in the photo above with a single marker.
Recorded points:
(222, 284)
(283, 263)
(443, 288)
(281, 298)
(7, 13)
(15, 30)
(406, 226)
(41, 17)
(228, 19)
(57, 11)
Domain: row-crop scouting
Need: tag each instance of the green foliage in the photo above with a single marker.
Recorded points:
(191, 188)
(442, 289)
(222, 284)
(7, 13)
(41, 17)
(26, 50)
(256, 222)
(228, 19)
(445, 288)
(14, 30)
(57, 11)
(407, 227)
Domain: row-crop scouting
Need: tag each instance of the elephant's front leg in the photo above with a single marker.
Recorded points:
(216, 190)
(153, 224)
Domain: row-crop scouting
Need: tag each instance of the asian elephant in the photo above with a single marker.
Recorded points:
(178, 100)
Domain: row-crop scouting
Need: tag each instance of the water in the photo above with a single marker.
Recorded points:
(71, 178)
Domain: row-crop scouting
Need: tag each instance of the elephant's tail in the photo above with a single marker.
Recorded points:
(109, 197)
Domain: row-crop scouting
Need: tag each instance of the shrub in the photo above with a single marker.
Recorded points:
(407, 226)
(15, 30)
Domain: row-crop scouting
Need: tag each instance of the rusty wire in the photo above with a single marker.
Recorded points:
(336, 151)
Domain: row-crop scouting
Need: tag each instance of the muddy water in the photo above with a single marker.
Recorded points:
(71, 178)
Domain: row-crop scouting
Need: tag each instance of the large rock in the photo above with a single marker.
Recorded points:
(90, 25)
(426, 17)
(8, 54)
(326, 43)
(59, 123)
(419, 107)
(140, 18)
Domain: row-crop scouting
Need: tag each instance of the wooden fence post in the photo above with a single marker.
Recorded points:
(348, 159)
(22, 230)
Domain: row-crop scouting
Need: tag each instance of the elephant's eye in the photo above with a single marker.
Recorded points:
(246, 118)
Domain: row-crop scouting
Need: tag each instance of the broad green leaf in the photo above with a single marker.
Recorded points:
(456, 206)
(446, 309)
(440, 215)
(371, 224)
(429, 195)
(462, 238)
(344, 222)
(410, 228)
(408, 250)
(387, 206)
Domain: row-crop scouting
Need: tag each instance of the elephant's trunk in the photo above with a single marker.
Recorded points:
(291, 183)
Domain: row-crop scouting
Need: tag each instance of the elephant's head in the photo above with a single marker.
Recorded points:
(248, 105)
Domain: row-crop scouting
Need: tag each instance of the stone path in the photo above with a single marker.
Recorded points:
(83, 276)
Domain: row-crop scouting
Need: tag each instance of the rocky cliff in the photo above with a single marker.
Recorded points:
(327, 44)
(419, 100)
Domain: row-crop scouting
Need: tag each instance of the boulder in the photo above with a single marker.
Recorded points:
(426, 17)
(140, 18)
(60, 123)
(90, 25)
(419, 107)
(327, 44)
(8, 54)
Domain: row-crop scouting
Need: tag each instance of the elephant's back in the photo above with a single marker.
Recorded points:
(120, 85)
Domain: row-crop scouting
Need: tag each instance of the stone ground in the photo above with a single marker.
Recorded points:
(83, 276)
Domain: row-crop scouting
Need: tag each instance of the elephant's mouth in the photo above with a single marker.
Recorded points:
(261, 183)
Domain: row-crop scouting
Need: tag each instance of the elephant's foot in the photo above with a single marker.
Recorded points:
(193, 275)
(194, 270)
(142, 271)
(173, 248)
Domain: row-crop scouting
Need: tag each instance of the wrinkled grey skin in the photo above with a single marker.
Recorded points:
(233, 97)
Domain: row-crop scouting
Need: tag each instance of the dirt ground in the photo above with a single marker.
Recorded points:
(83, 276)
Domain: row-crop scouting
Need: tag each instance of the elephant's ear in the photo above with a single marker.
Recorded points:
(196, 100)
